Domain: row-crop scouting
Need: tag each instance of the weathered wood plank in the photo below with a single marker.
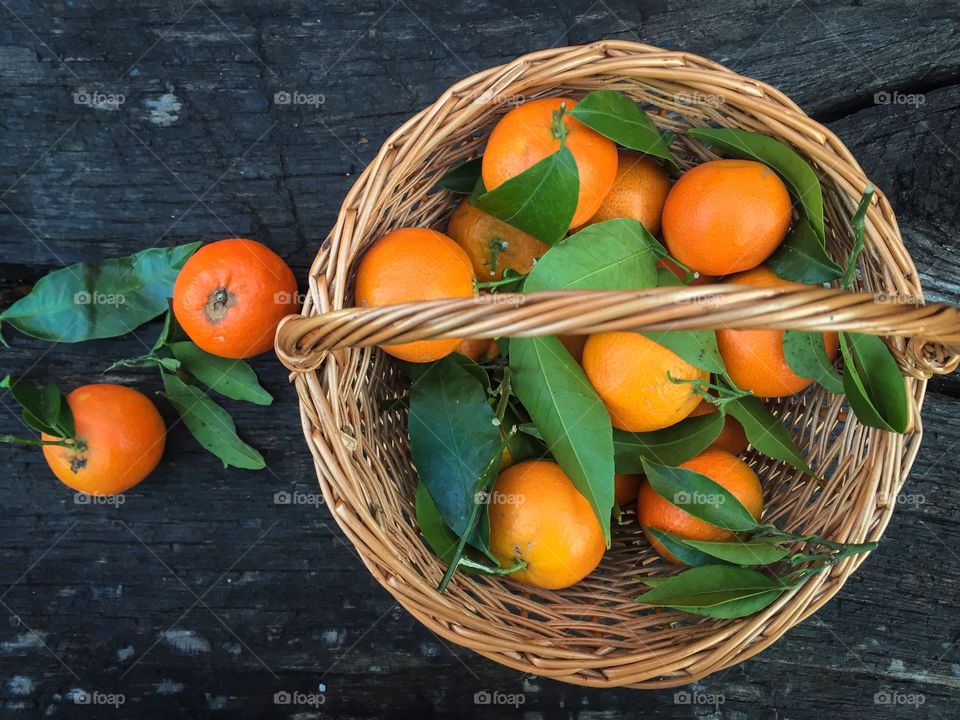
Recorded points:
(297, 607)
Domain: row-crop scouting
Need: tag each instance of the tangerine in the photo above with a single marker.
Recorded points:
(121, 438)
(725, 216)
(529, 133)
(231, 295)
(493, 245)
(639, 190)
(537, 515)
(754, 358)
(632, 375)
(413, 264)
(724, 469)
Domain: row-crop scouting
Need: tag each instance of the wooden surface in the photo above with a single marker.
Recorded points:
(201, 596)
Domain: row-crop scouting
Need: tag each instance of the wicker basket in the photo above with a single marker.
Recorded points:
(593, 633)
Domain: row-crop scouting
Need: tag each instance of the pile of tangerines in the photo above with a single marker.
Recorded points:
(717, 222)
(104, 438)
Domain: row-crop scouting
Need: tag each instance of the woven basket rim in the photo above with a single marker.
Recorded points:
(324, 417)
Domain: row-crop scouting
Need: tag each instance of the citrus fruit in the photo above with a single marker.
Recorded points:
(721, 467)
(638, 192)
(632, 375)
(413, 264)
(493, 245)
(230, 296)
(537, 515)
(754, 358)
(121, 438)
(625, 488)
(725, 216)
(732, 437)
(574, 344)
(528, 134)
(478, 350)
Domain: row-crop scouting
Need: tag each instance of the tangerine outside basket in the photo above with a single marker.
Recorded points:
(594, 633)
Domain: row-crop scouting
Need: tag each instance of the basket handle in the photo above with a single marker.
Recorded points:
(933, 329)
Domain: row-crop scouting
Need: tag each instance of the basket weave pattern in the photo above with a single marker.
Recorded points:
(593, 633)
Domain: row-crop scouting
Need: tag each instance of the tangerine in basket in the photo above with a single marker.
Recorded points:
(639, 191)
(478, 350)
(724, 469)
(493, 245)
(732, 437)
(121, 438)
(625, 488)
(231, 295)
(632, 375)
(726, 216)
(528, 134)
(537, 515)
(412, 264)
(754, 358)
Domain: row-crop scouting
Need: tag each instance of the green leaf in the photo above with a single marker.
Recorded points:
(670, 446)
(766, 433)
(231, 378)
(541, 200)
(614, 255)
(522, 445)
(794, 170)
(807, 357)
(210, 424)
(441, 539)
(44, 409)
(699, 495)
(617, 117)
(875, 388)
(682, 552)
(463, 178)
(718, 591)
(802, 257)
(857, 222)
(88, 301)
(570, 417)
(697, 347)
(739, 552)
(452, 439)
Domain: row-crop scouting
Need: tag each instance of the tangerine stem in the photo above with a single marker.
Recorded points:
(72, 444)
(557, 127)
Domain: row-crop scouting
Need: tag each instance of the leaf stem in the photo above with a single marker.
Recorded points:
(481, 484)
(497, 283)
(857, 222)
(72, 444)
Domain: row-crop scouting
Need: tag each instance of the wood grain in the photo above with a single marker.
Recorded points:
(200, 150)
